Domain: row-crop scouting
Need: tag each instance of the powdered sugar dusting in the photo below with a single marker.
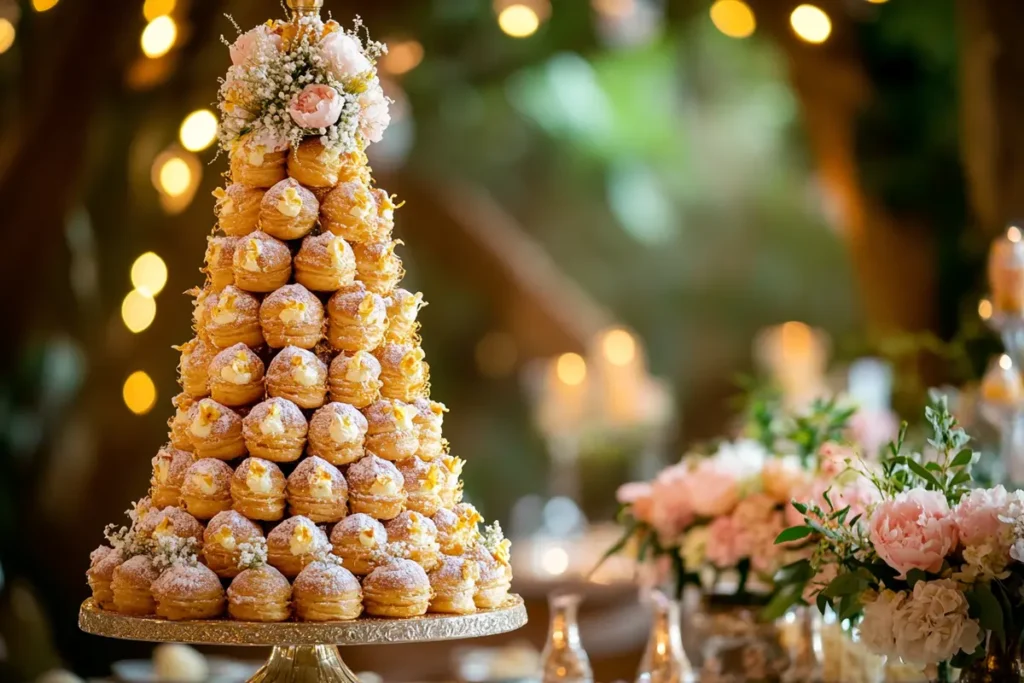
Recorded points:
(326, 579)
(183, 580)
(363, 473)
(400, 575)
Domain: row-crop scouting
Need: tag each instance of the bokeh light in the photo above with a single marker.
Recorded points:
(555, 561)
(139, 392)
(403, 56)
(1013, 233)
(43, 5)
(984, 309)
(734, 18)
(198, 130)
(518, 21)
(149, 274)
(571, 369)
(138, 311)
(811, 23)
(1005, 362)
(7, 35)
(618, 347)
(151, 9)
(174, 176)
(158, 37)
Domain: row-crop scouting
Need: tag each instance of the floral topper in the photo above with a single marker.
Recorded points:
(303, 78)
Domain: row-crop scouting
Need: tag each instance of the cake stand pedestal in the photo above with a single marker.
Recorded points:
(305, 652)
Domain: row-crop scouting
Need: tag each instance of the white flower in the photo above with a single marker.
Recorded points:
(343, 55)
(878, 627)
(933, 625)
(743, 458)
(254, 44)
(375, 117)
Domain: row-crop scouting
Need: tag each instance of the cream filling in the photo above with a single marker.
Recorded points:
(321, 484)
(161, 470)
(290, 203)
(367, 538)
(384, 485)
(302, 542)
(358, 368)
(293, 312)
(205, 483)
(237, 372)
(251, 255)
(343, 429)
(258, 480)
(305, 374)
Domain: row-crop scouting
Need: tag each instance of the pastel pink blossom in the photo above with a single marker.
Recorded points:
(914, 530)
(873, 429)
(834, 458)
(711, 488)
(782, 477)
(977, 516)
(375, 116)
(726, 545)
(638, 496)
(316, 106)
(671, 512)
(343, 55)
(251, 43)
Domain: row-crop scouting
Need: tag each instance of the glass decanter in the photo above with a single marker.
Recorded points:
(564, 660)
(664, 660)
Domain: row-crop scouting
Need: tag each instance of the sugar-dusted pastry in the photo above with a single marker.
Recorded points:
(169, 467)
(451, 484)
(354, 378)
(423, 484)
(222, 541)
(194, 367)
(275, 430)
(403, 311)
(102, 563)
(402, 371)
(375, 486)
(454, 585)
(220, 254)
(201, 310)
(350, 211)
(171, 521)
(258, 490)
(232, 316)
(316, 489)
(428, 419)
(215, 431)
(419, 537)
(378, 266)
(385, 213)
(260, 593)
(399, 589)
(188, 592)
(236, 376)
(325, 263)
(238, 208)
(456, 529)
(391, 432)
(256, 164)
(357, 319)
(313, 165)
(492, 557)
(178, 425)
(288, 210)
(299, 376)
(336, 433)
(326, 591)
(294, 543)
(358, 540)
(131, 586)
(206, 489)
(261, 263)
(292, 316)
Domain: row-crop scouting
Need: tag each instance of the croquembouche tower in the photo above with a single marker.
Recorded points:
(306, 482)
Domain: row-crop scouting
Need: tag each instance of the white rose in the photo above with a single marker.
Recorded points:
(932, 625)
(343, 55)
(375, 118)
(877, 629)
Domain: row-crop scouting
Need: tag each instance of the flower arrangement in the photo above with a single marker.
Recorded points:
(302, 78)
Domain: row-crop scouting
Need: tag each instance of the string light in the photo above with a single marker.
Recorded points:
(402, 57)
(734, 18)
(139, 392)
(571, 369)
(618, 347)
(151, 9)
(198, 130)
(43, 5)
(1013, 233)
(138, 311)
(174, 176)
(985, 309)
(518, 21)
(811, 23)
(158, 37)
(7, 35)
(149, 274)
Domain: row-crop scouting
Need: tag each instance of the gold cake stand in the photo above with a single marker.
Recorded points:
(305, 652)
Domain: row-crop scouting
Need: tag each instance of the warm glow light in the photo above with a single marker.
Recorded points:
(402, 57)
(984, 309)
(811, 23)
(618, 347)
(734, 18)
(7, 35)
(518, 21)
(571, 369)
(1013, 233)
(175, 177)
(878, 2)
(43, 5)
(139, 392)
(1005, 362)
(151, 9)
(149, 274)
(796, 337)
(158, 37)
(198, 130)
(138, 311)
(555, 561)
(614, 8)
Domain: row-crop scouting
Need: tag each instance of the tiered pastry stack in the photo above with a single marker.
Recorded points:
(306, 476)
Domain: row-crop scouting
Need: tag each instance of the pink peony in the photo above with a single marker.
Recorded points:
(873, 429)
(977, 516)
(670, 511)
(343, 55)
(782, 477)
(638, 496)
(375, 116)
(913, 531)
(833, 458)
(252, 43)
(712, 489)
(317, 106)
(726, 544)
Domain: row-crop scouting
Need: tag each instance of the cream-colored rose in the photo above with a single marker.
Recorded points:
(877, 629)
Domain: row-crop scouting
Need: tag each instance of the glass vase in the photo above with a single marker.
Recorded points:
(844, 658)
(736, 646)
(564, 660)
(664, 660)
(1001, 664)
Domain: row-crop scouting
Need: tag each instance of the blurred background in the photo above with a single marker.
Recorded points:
(614, 207)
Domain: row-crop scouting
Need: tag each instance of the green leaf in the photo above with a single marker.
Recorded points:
(920, 471)
(793, 533)
(800, 507)
(645, 545)
(844, 584)
(961, 477)
(781, 601)
(822, 602)
(963, 458)
(986, 609)
(849, 606)
(915, 575)
(795, 572)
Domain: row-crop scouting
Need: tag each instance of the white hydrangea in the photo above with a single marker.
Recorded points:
(933, 624)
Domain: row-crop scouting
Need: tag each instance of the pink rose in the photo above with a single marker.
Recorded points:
(726, 545)
(914, 530)
(638, 496)
(873, 429)
(317, 106)
(375, 117)
(977, 515)
(251, 43)
(670, 511)
(712, 489)
(343, 55)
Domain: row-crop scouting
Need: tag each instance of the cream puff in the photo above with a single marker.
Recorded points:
(457, 529)
(495, 574)
(188, 592)
(428, 419)
(385, 213)
(102, 563)
(316, 489)
(194, 367)
(261, 263)
(258, 490)
(336, 433)
(294, 543)
(257, 165)
(354, 378)
(206, 489)
(236, 376)
(454, 586)
(400, 589)
(451, 483)
(201, 310)
(391, 432)
(378, 266)
(402, 371)
(230, 317)
(299, 376)
(357, 319)
(224, 535)
(325, 591)
(131, 586)
(403, 311)
(325, 263)
(275, 430)
(215, 431)
(359, 541)
(171, 521)
(293, 316)
(238, 208)
(260, 594)
(314, 165)
(288, 210)
(375, 486)
(423, 484)
(419, 537)
(169, 467)
(350, 211)
(178, 424)
(220, 254)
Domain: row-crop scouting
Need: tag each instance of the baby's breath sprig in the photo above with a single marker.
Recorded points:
(252, 555)
(169, 550)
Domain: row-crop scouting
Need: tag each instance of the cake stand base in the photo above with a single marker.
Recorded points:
(305, 664)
